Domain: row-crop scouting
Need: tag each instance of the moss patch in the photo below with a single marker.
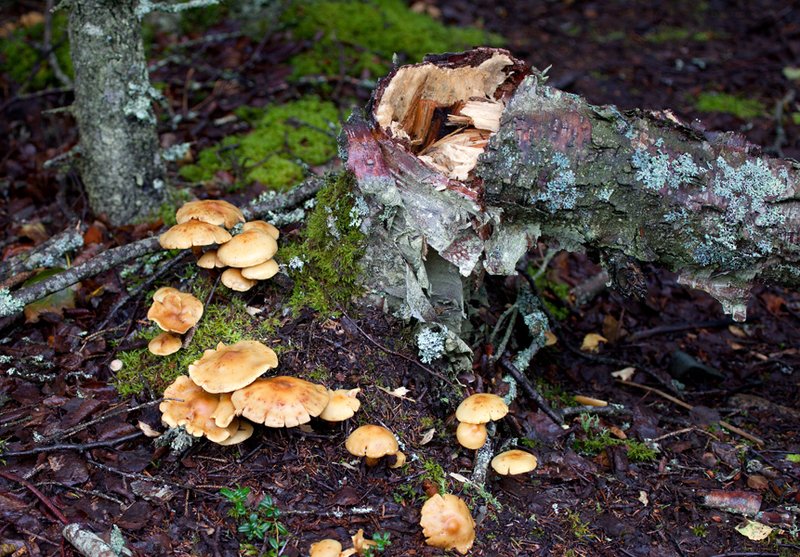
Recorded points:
(359, 38)
(285, 139)
(22, 58)
(324, 264)
(226, 322)
(743, 108)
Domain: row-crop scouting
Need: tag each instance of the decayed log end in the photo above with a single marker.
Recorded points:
(467, 159)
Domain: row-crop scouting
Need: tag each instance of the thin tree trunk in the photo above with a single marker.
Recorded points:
(120, 158)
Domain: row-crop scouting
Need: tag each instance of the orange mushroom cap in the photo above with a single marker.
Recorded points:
(481, 408)
(247, 249)
(280, 401)
(228, 368)
(447, 523)
(175, 311)
(212, 211)
(193, 233)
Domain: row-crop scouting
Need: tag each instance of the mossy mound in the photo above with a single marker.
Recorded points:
(285, 139)
(22, 56)
(360, 38)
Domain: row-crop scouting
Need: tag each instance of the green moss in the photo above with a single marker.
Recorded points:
(22, 59)
(285, 139)
(226, 322)
(325, 263)
(595, 442)
(743, 108)
(552, 289)
(359, 38)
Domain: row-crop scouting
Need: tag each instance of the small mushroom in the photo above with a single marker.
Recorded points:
(209, 260)
(280, 401)
(193, 233)
(225, 412)
(175, 311)
(372, 442)
(164, 344)
(233, 279)
(188, 405)
(360, 544)
(264, 271)
(447, 523)
(243, 433)
(263, 227)
(481, 408)
(228, 368)
(325, 548)
(514, 462)
(247, 249)
(212, 211)
(342, 405)
(471, 436)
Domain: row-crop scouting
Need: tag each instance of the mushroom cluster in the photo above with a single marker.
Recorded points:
(248, 254)
(333, 548)
(225, 385)
(473, 414)
(174, 312)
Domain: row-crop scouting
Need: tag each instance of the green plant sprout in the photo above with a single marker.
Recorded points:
(382, 542)
(257, 524)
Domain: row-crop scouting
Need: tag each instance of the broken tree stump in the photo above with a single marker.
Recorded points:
(466, 160)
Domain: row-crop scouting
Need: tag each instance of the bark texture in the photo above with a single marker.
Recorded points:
(640, 183)
(121, 163)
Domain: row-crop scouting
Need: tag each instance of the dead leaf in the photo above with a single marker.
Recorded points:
(624, 374)
(459, 478)
(550, 338)
(147, 430)
(737, 331)
(591, 342)
(399, 392)
(643, 498)
(757, 482)
(426, 438)
(754, 530)
(617, 432)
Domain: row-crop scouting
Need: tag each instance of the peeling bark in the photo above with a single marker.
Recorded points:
(121, 163)
(643, 184)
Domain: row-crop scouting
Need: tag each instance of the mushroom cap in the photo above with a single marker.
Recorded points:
(193, 233)
(193, 409)
(212, 211)
(243, 433)
(481, 408)
(209, 260)
(228, 368)
(280, 401)
(247, 249)
(225, 412)
(372, 441)
(343, 404)
(447, 523)
(325, 548)
(471, 436)
(262, 226)
(233, 279)
(400, 459)
(514, 462)
(175, 311)
(262, 271)
(164, 344)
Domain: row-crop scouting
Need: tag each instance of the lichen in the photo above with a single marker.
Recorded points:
(748, 189)
(430, 343)
(560, 191)
(285, 140)
(9, 304)
(659, 169)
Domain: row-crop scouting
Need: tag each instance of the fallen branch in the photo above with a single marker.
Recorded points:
(80, 447)
(47, 254)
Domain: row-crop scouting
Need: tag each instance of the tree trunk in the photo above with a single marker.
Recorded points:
(447, 207)
(120, 158)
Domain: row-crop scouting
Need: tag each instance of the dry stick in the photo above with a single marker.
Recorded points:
(110, 414)
(43, 255)
(80, 447)
(41, 496)
(531, 391)
(730, 427)
(13, 303)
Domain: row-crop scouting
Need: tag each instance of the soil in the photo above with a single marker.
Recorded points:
(75, 451)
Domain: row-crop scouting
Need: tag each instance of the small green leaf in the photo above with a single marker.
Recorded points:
(793, 458)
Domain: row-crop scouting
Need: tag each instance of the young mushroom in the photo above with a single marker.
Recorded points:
(212, 211)
(175, 311)
(248, 249)
(164, 344)
(193, 234)
(471, 436)
(342, 405)
(514, 462)
(325, 548)
(374, 442)
(447, 523)
(280, 401)
(233, 279)
(228, 368)
(262, 271)
(263, 227)
(474, 413)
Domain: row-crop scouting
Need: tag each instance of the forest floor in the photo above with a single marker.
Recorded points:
(654, 477)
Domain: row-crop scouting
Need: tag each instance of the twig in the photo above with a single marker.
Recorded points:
(716, 323)
(611, 409)
(398, 354)
(45, 254)
(531, 391)
(41, 496)
(730, 427)
(110, 414)
(682, 431)
(81, 447)
(52, 59)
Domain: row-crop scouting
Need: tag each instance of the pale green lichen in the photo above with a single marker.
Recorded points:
(9, 305)
(560, 191)
(748, 189)
(430, 342)
(658, 170)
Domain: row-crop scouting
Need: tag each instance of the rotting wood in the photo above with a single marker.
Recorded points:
(639, 185)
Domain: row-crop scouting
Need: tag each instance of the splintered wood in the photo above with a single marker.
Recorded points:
(445, 115)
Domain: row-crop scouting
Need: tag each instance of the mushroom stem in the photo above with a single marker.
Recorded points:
(371, 461)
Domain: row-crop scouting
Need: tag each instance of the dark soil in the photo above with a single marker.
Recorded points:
(75, 450)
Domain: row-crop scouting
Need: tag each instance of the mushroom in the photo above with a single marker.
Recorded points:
(247, 249)
(164, 344)
(481, 408)
(447, 523)
(242, 434)
(325, 548)
(209, 260)
(280, 401)
(471, 436)
(342, 405)
(233, 279)
(374, 442)
(262, 271)
(188, 405)
(175, 311)
(212, 211)
(228, 368)
(514, 462)
(263, 227)
(225, 412)
(360, 545)
(193, 233)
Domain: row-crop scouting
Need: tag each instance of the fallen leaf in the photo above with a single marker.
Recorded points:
(617, 432)
(550, 338)
(793, 458)
(737, 331)
(624, 374)
(591, 342)
(589, 401)
(459, 478)
(147, 430)
(643, 498)
(426, 438)
(399, 392)
(754, 530)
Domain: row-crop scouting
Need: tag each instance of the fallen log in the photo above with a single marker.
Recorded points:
(466, 160)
